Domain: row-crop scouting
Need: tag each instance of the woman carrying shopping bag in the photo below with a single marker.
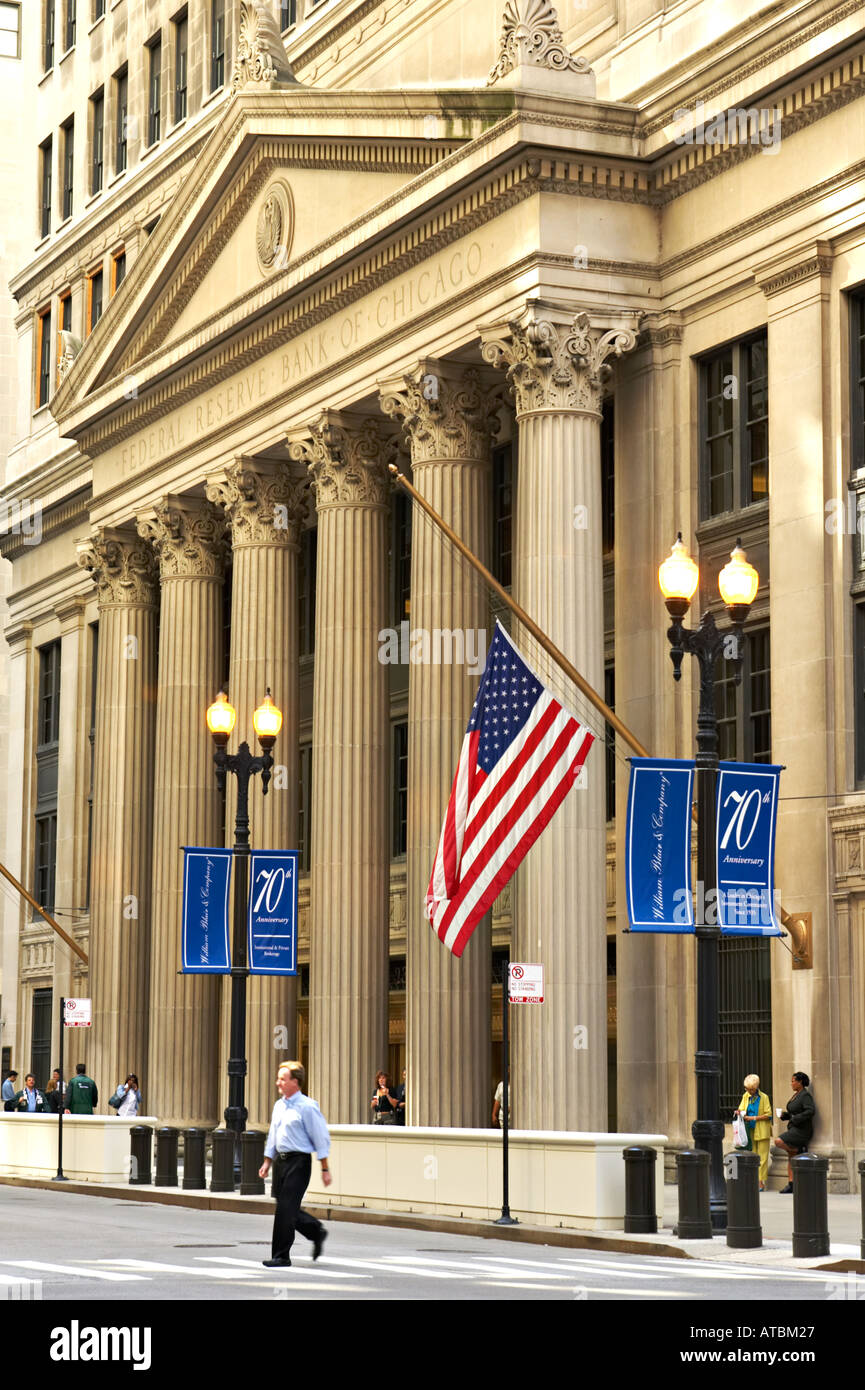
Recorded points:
(755, 1108)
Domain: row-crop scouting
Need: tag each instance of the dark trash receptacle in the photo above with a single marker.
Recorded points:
(692, 1175)
(862, 1196)
(140, 1137)
(640, 1214)
(194, 1143)
(166, 1157)
(810, 1205)
(251, 1158)
(742, 1170)
(222, 1171)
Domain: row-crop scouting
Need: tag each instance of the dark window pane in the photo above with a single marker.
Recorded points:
(217, 44)
(49, 34)
(745, 1015)
(121, 94)
(608, 491)
(503, 511)
(68, 169)
(47, 159)
(610, 738)
(49, 695)
(180, 78)
(400, 788)
(153, 115)
(70, 24)
(45, 357)
(95, 298)
(402, 556)
(96, 168)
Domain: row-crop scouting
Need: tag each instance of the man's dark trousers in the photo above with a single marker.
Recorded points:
(291, 1179)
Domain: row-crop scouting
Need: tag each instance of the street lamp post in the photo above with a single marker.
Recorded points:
(267, 722)
(678, 577)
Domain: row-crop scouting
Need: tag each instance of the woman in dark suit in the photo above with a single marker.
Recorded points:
(800, 1114)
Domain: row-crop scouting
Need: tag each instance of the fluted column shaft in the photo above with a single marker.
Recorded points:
(120, 897)
(184, 1014)
(449, 419)
(556, 372)
(349, 909)
(262, 504)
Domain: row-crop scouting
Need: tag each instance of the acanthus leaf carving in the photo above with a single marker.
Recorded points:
(122, 566)
(531, 34)
(261, 55)
(551, 366)
(444, 415)
(188, 535)
(263, 503)
(345, 461)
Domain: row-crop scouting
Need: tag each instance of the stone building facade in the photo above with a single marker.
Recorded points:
(591, 278)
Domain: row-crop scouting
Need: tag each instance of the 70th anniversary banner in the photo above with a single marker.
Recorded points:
(271, 912)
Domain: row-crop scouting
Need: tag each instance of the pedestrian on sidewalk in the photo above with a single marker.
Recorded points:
(53, 1092)
(31, 1098)
(400, 1100)
(82, 1096)
(755, 1108)
(384, 1101)
(127, 1098)
(800, 1114)
(8, 1090)
(297, 1131)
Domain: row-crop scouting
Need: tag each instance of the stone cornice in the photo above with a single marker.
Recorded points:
(61, 517)
(774, 277)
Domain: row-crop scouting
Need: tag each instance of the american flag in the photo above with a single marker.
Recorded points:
(520, 757)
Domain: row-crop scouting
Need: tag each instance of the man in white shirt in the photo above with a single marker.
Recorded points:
(297, 1130)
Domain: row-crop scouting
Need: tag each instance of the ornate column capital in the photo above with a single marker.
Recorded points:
(446, 413)
(346, 460)
(188, 534)
(263, 503)
(122, 566)
(558, 366)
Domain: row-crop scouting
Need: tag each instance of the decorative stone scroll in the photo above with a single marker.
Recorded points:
(531, 34)
(264, 504)
(123, 568)
(261, 56)
(274, 232)
(444, 415)
(552, 366)
(346, 462)
(189, 537)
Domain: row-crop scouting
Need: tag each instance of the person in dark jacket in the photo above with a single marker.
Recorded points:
(800, 1115)
(82, 1096)
(31, 1098)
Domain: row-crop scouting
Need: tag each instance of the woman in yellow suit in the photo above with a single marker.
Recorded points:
(756, 1110)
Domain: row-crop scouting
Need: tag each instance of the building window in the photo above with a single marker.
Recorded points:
(734, 427)
(46, 152)
(121, 99)
(49, 696)
(306, 590)
(41, 1041)
(47, 741)
(155, 92)
(91, 739)
(610, 740)
(49, 34)
(43, 354)
(97, 105)
(744, 711)
(98, 9)
(10, 31)
(68, 167)
(401, 551)
(400, 789)
(503, 514)
(744, 1014)
(181, 41)
(217, 44)
(65, 320)
(94, 299)
(118, 269)
(70, 25)
(45, 860)
(288, 13)
(608, 492)
(304, 806)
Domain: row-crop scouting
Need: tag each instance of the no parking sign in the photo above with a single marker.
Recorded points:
(526, 983)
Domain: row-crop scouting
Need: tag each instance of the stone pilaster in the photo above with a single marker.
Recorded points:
(184, 1015)
(124, 570)
(449, 419)
(557, 372)
(264, 507)
(350, 769)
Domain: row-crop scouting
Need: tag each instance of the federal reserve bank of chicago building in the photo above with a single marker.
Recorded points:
(589, 276)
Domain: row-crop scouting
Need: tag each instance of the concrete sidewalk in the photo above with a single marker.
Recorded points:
(776, 1215)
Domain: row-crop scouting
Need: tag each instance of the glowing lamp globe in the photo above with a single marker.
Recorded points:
(678, 577)
(267, 721)
(738, 583)
(221, 718)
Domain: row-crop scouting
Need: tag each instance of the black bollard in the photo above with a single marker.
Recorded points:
(251, 1159)
(166, 1157)
(862, 1195)
(194, 1141)
(744, 1231)
(640, 1214)
(222, 1172)
(692, 1175)
(139, 1170)
(810, 1206)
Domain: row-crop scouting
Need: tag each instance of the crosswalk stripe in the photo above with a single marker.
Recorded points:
(253, 1264)
(482, 1265)
(515, 1284)
(381, 1268)
(156, 1267)
(78, 1270)
(621, 1292)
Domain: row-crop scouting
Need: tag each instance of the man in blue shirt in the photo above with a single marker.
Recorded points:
(297, 1131)
(9, 1086)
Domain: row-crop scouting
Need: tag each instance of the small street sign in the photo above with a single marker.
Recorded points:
(526, 983)
(76, 1013)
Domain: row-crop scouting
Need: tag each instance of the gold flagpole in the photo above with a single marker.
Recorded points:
(42, 913)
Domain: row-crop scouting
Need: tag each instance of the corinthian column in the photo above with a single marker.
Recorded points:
(264, 507)
(449, 420)
(184, 1009)
(348, 951)
(557, 372)
(124, 570)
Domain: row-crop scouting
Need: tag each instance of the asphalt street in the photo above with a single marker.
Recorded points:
(59, 1247)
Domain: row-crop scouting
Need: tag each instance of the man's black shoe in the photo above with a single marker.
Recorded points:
(318, 1243)
(786, 1190)
(276, 1264)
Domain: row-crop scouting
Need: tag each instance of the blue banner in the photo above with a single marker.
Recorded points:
(658, 845)
(206, 877)
(272, 918)
(747, 806)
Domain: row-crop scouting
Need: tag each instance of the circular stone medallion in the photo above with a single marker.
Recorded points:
(275, 231)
